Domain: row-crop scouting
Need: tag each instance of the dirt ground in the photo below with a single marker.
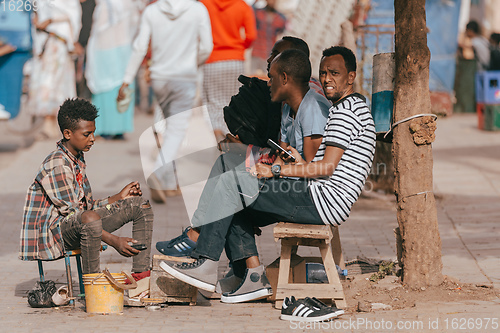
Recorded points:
(361, 293)
(388, 293)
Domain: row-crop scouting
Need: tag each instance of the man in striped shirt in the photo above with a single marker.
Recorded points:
(320, 192)
(348, 141)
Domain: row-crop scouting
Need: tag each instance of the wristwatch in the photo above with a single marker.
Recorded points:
(276, 170)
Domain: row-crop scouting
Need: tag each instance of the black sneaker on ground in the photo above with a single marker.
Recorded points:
(305, 310)
(320, 305)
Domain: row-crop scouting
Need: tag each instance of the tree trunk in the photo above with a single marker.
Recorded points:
(417, 215)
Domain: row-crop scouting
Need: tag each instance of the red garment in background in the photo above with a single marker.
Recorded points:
(267, 31)
(227, 17)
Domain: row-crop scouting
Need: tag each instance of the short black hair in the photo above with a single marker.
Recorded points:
(298, 44)
(74, 110)
(347, 54)
(296, 64)
(473, 26)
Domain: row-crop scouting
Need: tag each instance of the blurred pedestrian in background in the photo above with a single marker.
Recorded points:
(115, 24)
(181, 40)
(270, 25)
(57, 24)
(480, 45)
(495, 52)
(226, 63)
(4, 50)
(82, 90)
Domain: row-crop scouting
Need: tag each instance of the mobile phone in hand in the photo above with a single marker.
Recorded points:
(275, 146)
(139, 247)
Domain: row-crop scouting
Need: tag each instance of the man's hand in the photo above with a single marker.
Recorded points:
(296, 154)
(43, 25)
(121, 92)
(79, 50)
(261, 171)
(231, 143)
(285, 157)
(121, 244)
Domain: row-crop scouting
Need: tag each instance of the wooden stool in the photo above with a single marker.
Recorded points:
(327, 239)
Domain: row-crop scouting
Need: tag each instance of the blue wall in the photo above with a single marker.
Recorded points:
(442, 21)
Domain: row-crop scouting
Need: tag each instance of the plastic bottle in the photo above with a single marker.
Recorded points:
(342, 272)
(315, 273)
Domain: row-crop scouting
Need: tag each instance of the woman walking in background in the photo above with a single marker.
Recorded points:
(115, 23)
(57, 24)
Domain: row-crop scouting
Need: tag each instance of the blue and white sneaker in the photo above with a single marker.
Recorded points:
(180, 246)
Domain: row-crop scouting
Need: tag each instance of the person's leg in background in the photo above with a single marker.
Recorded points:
(176, 100)
(52, 81)
(220, 83)
(142, 90)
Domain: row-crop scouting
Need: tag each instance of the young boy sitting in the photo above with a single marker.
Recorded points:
(60, 213)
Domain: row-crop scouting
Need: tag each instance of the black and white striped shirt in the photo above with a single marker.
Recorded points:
(350, 127)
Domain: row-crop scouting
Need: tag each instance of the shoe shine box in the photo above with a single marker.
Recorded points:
(168, 288)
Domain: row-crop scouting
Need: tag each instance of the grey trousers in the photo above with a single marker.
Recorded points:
(87, 236)
(176, 99)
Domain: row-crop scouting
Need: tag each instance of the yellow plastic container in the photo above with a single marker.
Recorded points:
(101, 296)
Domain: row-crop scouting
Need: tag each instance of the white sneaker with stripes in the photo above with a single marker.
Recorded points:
(304, 310)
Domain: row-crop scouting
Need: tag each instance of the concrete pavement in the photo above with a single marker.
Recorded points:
(466, 179)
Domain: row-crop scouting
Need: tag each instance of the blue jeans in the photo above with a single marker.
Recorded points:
(233, 202)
